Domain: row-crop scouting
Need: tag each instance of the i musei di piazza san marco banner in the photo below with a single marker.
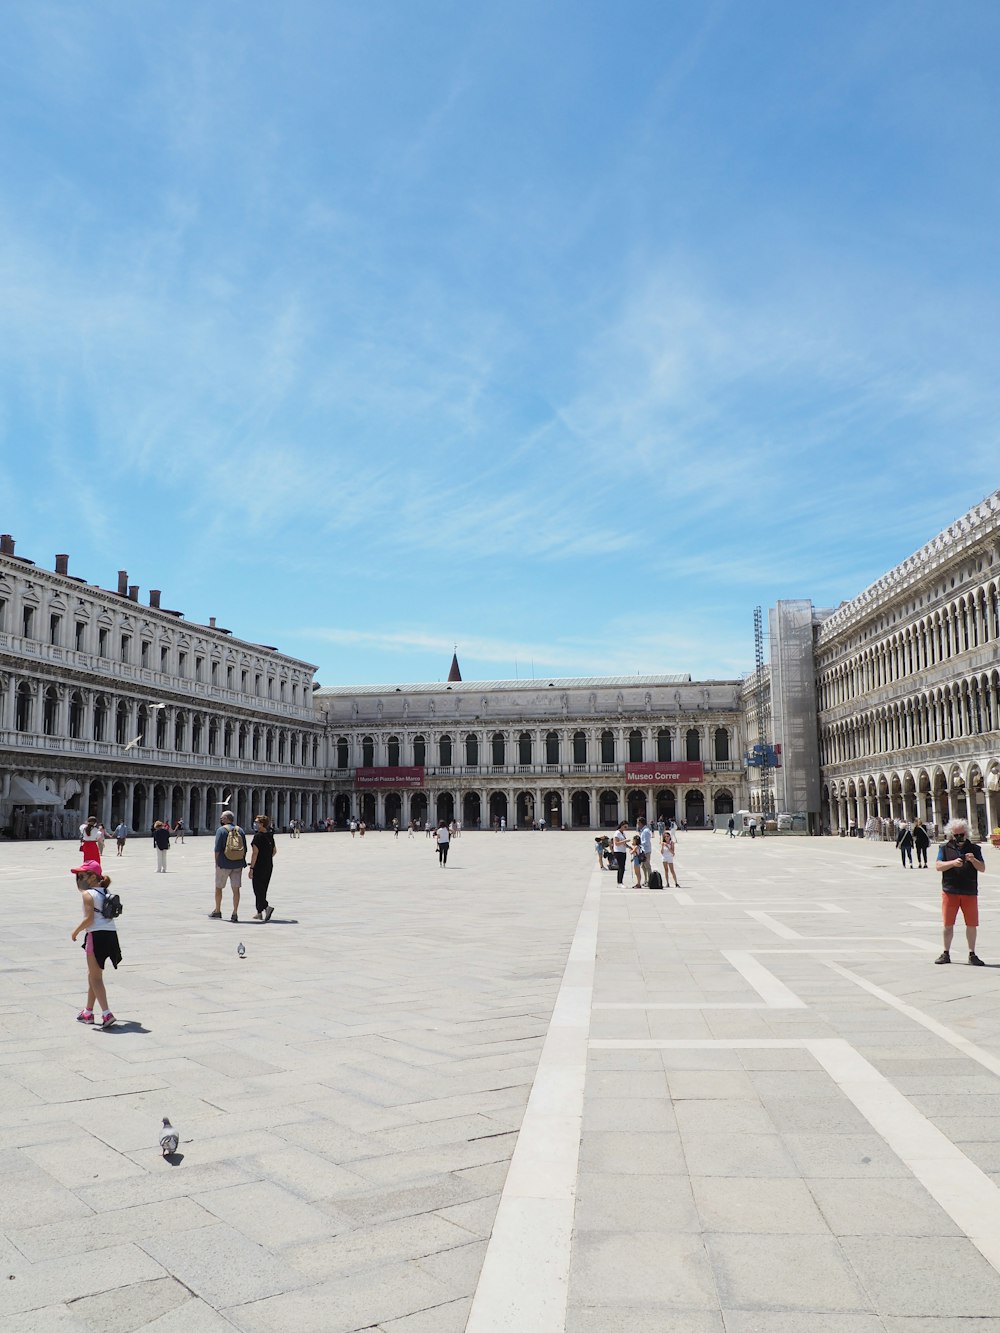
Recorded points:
(667, 771)
(388, 777)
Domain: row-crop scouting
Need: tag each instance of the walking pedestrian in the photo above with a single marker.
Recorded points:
(669, 849)
(101, 944)
(732, 827)
(161, 841)
(601, 847)
(646, 842)
(230, 858)
(409, 829)
(261, 865)
(90, 839)
(960, 863)
(619, 844)
(443, 839)
(904, 842)
(179, 832)
(921, 842)
(121, 833)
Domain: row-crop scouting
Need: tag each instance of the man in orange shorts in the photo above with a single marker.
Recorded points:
(960, 863)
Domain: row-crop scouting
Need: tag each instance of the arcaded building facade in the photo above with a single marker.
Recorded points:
(128, 711)
(580, 752)
(907, 678)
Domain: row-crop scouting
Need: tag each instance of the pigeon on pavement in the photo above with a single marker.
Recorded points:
(241, 950)
(169, 1139)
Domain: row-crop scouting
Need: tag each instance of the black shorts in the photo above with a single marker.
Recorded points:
(104, 946)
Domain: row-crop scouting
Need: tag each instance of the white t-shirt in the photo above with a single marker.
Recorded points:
(620, 841)
(443, 834)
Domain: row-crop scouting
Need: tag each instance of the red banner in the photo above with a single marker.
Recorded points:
(388, 777)
(667, 771)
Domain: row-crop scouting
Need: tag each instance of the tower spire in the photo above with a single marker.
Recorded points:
(454, 673)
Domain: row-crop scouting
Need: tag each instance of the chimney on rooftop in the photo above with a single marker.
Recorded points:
(6, 544)
(211, 622)
(154, 598)
(133, 592)
(123, 583)
(62, 564)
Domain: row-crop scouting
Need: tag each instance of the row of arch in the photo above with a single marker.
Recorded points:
(933, 794)
(447, 751)
(969, 621)
(83, 715)
(968, 707)
(522, 809)
(195, 805)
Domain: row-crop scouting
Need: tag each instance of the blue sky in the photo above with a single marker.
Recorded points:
(564, 331)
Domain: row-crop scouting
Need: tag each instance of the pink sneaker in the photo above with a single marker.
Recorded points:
(85, 1016)
(108, 1021)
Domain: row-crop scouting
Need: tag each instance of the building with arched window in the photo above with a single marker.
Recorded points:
(84, 671)
(581, 752)
(888, 707)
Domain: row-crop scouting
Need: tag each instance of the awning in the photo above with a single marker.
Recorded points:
(23, 792)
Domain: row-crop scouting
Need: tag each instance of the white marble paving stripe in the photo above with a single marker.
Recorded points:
(771, 990)
(967, 1194)
(524, 1283)
(963, 1044)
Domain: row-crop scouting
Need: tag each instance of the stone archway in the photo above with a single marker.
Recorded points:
(552, 809)
(666, 805)
(445, 807)
(418, 808)
(580, 809)
(472, 812)
(498, 808)
(608, 809)
(393, 808)
(368, 809)
(694, 808)
(524, 806)
(341, 809)
(635, 804)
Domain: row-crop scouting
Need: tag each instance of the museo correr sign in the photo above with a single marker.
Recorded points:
(664, 772)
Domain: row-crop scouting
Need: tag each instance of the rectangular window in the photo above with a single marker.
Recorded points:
(199, 668)
(27, 620)
(243, 681)
(215, 673)
(81, 630)
(55, 629)
(229, 677)
(3, 613)
(102, 643)
(144, 652)
(182, 663)
(126, 647)
(164, 653)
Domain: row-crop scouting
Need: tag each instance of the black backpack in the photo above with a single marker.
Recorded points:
(655, 880)
(112, 906)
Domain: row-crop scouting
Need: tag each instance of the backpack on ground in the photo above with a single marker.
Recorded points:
(236, 844)
(112, 906)
(655, 880)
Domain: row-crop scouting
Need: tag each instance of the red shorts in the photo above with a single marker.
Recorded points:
(968, 902)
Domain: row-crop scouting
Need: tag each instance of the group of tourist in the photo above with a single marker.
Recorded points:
(614, 852)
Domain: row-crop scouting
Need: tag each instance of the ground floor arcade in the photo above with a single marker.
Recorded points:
(936, 792)
(139, 801)
(523, 807)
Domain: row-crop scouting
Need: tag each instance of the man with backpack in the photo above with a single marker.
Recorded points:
(230, 858)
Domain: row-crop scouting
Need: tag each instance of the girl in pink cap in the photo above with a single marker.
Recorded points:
(101, 942)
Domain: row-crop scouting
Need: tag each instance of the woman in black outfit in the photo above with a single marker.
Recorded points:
(921, 841)
(904, 841)
(261, 865)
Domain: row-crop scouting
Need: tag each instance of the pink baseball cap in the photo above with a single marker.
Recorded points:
(88, 868)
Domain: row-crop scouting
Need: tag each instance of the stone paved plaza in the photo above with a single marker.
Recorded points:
(504, 1096)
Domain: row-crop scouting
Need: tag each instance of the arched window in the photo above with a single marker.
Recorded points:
(50, 710)
(293, 747)
(255, 743)
(721, 744)
(197, 727)
(419, 751)
(23, 711)
(607, 747)
(213, 736)
(161, 727)
(282, 742)
(392, 751)
(499, 748)
(180, 732)
(524, 748)
(121, 723)
(579, 747)
(472, 750)
(76, 715)
(343, 752)
(444, 752)
(227, 740)
(367, 751)
(635, 746)
(269, 746)
(552, 747)
(664, 745)
(693, 745)
(244, 736)
(100, 718)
